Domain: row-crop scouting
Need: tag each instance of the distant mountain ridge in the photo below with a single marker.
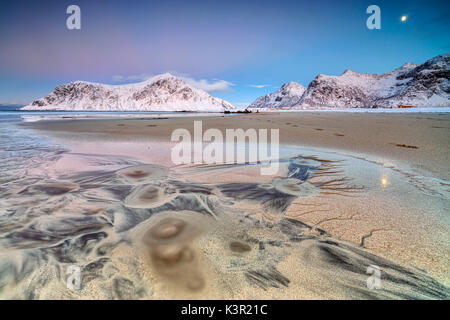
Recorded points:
(425, 85)
(164, 92)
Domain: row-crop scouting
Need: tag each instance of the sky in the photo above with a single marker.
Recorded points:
(235, 50)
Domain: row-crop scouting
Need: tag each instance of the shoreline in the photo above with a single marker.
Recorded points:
(408, 137)
(250, 110)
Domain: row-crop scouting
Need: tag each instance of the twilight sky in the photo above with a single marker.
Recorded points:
(237, 50)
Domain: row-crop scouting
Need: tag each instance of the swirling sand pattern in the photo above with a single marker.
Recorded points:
(142, 232)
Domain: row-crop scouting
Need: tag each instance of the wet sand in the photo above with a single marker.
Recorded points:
(418, 139)
(352, 193)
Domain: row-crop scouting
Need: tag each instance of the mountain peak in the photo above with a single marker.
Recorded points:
(163, 92)
(288, 95)
(162, 76)
(349, 72)
(425, 85)
(291, 84)
(409, 65)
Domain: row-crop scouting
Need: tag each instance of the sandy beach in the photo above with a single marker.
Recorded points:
(374, 190)
(418, 139)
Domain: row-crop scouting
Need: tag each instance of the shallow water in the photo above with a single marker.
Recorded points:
(140, 230)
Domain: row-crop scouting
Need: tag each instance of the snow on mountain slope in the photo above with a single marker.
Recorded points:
(287, 96)
(425, 85)
(161, 93)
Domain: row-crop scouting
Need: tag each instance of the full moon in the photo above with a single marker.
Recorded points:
(403, 18)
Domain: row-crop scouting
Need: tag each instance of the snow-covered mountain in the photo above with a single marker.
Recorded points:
(161, 93)
(425, 85)
(286, 97)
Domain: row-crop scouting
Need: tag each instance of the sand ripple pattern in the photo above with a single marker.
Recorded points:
(136, 229)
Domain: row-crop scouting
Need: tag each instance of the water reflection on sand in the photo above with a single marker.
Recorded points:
(140, 230)
(137, 231)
